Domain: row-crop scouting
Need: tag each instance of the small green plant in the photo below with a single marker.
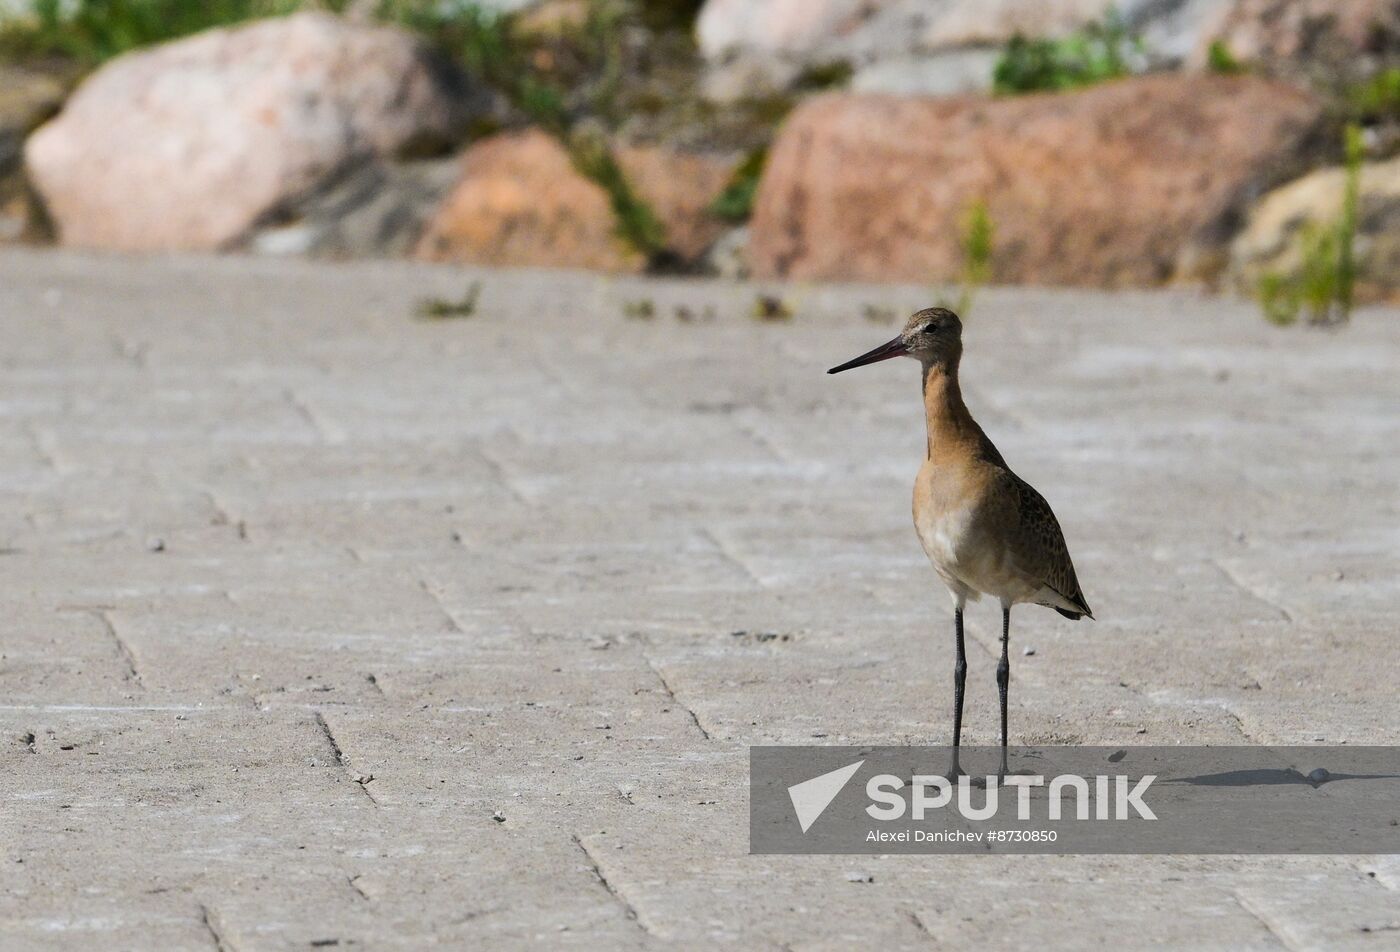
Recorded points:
(1277, 299)
(688, 315)
(92, 31)
(640, 310)
(1377, 98)
(1220, 60)
(771, 307)
(441, 309)
(670, 14)
(832, 74)
(637, 225)
(978, 238)
(1325, 283)
(569, 83)
(735, 203)
(1093, 54)
(1355, 148)
(977, 241)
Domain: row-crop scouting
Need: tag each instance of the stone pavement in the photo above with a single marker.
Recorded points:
(330, 627)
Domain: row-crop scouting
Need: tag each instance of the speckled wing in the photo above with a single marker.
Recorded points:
(1038, 547)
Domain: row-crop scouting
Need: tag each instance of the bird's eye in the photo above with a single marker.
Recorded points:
(929, 328)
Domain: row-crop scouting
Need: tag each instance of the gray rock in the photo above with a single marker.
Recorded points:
(745, 74)
(792, 28)
(728, 258)
(376, 209)
(1172, 30)
(940, 74)
(917, 47)
(1307, 41)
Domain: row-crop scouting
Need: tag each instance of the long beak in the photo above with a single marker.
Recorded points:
(894, 348)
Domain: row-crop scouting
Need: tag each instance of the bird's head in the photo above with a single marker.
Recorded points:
(932, 336)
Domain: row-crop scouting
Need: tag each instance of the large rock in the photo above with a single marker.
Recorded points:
(520, 201)
(1115, 185)
(775, 26)
(1270, 243)
(945, 74)
(978, 22)
(1316, 39)
(915, 46)
(191, 144)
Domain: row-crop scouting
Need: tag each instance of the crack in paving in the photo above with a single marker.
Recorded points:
(208, 919)
(544, 360)
(1239, 721)
(1263, 920)
(452, 624)
(124, 652)
(113, 708)
(766, 443)
(1251, 591)
(222, 516)
(341, 759)
(44, 449)
(1180, 700)
(325, 430)
(670, 693)
(502, 474)
(1380, 877)
(627, 907)
(725, 553)
(919, 925)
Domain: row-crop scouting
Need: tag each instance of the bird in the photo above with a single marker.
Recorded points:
(985, 530)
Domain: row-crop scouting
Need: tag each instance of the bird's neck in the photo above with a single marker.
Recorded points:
(950, 425)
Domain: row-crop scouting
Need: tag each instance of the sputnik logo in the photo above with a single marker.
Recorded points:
(810, 798)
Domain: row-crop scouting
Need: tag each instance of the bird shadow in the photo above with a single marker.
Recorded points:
(1274, 777)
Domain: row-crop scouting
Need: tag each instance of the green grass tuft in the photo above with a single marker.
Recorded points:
(735, 203)
(1325, 283)
(640, 310)
(637, 225)
(832, 74)
(771, 307)
(91, 32)
(977, 240)
(441, 309)
(1376, 99)
(567, 84)
(1093, 54)
(1220, 60)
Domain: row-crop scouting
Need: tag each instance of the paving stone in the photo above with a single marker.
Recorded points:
(326, 623)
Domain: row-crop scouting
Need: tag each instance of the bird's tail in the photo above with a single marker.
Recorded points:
(1078, 609)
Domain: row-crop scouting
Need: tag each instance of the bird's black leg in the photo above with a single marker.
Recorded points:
(1004, 677)
(959, 679)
